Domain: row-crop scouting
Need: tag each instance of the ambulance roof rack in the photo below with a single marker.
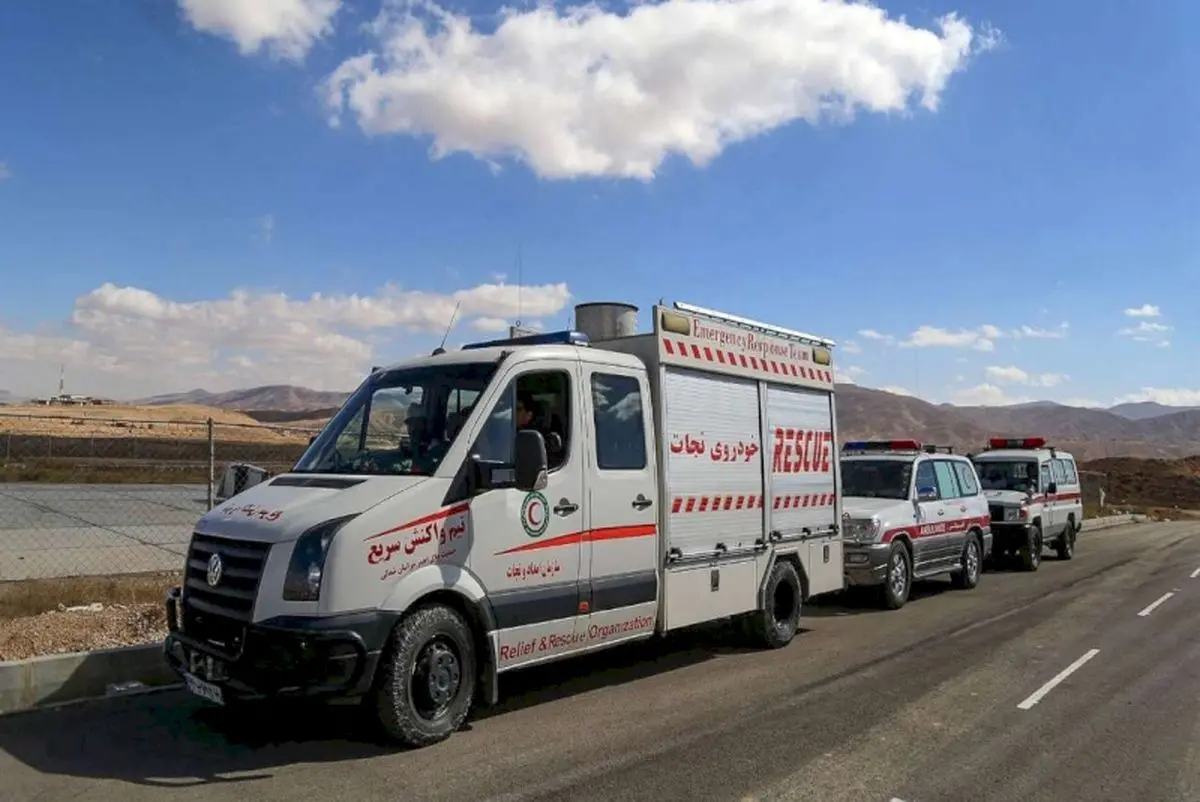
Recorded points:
(881, 446)
(1016, 442)
(564, 337)
(747, 323)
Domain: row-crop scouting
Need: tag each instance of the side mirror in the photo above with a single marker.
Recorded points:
(927, 494)
(530, 463)
(1052, 488)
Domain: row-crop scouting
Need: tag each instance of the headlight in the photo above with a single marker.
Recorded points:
(862, 529)
(1014, 513)
(306, 568)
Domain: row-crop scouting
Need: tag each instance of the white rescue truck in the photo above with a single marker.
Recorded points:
(911, 512)
(1034, 497)
(515, 502)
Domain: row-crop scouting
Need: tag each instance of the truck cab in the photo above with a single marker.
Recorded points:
(519, 501)
(1034, 498)
(911, 512)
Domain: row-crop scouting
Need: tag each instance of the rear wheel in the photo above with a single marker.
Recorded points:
(1031, 550)
(897, 582)
(967, 576)
(778, 621)
(427, 678)
(1065, 547)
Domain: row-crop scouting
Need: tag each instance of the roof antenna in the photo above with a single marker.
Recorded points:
(441, 349)
(520, 271)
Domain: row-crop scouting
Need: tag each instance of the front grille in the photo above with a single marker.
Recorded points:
(219, 614)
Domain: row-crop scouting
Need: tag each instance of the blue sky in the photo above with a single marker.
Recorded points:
(172, 170)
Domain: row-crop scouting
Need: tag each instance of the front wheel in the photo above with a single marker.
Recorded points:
(427, 680)
(777, 622)
(897, 583)
(1031, 551)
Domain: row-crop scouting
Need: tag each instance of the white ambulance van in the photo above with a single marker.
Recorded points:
(515, 502)
(1034, 497)
(911, 512)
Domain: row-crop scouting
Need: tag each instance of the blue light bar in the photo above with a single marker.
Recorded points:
(564, 337)
(855, 445)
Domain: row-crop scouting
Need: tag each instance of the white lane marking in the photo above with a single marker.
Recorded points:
(1154, 605)
(1195, 573)
(1041, 692)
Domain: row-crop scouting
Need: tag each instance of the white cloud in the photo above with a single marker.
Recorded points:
(5, 173)
(851, 347)
(125, 341)
(895, 390)
(984, 395)
(848, 374)
(585, 91)
(871, 334)
(1145, 310)
(1148, 332)
(287, 28)
(1014, 375)
(981, 339)
(1176, 397)
(1035, 333)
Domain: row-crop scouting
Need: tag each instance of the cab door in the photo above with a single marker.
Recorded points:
(621, 554)
(526, 545)
(953, 531)
(931, 513)
(1047, 506)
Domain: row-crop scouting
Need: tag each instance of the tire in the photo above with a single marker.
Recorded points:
(427, 677)
(778, 621)
(897, 581)
(1065, 547)
(1031, 549)
(972, 564)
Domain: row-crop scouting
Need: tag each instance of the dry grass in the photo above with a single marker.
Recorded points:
(56, 616)
(180, 421)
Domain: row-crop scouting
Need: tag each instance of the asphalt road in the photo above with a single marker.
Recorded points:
(947, 699)
(53, 530)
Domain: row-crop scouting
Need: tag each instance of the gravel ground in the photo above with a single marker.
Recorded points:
(81, 629)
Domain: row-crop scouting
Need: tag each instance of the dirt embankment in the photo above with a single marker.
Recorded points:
(1167, 483)
(183, 422)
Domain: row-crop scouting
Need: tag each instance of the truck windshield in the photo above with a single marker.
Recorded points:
(864, 478)
(399, 423)
(1019, 475)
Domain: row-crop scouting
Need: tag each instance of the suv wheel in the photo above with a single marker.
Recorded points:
(897, 582)
(1031, 550)
(967, 577)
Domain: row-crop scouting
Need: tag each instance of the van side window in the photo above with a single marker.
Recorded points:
(1072, 475)
(620, 425)
(926, 478)
(966, 478)
(947, 484)
(1058, 472)
(1043, 477)
(540, 401)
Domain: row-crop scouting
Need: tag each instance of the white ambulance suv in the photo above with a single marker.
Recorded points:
(910, 512)
(1034, 497)
(519, 501)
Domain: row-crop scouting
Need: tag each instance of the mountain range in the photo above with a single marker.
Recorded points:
(1127, 430)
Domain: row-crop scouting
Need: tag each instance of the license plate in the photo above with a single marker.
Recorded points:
(205, 690)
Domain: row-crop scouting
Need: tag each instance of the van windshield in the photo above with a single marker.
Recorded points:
(399, 423)
(876, 478)
(1018, 475)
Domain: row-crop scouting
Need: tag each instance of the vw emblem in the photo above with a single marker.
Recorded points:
(215, 569)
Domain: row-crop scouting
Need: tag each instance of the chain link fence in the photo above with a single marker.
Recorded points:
(85, 499)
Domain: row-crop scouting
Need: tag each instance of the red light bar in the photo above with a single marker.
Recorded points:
(905, 445)
(1017, 442)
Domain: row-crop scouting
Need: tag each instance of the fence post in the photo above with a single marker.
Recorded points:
(212, 463)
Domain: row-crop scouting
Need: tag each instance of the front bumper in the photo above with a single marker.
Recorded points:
(289, 656)
(1009, 536)
(865, 564)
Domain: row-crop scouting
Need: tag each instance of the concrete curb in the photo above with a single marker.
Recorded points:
(1109, 521)
(60, 678)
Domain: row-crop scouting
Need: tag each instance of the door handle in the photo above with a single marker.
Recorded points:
(962, 509)
(641, 502)
(565, 507)
(942, 511)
